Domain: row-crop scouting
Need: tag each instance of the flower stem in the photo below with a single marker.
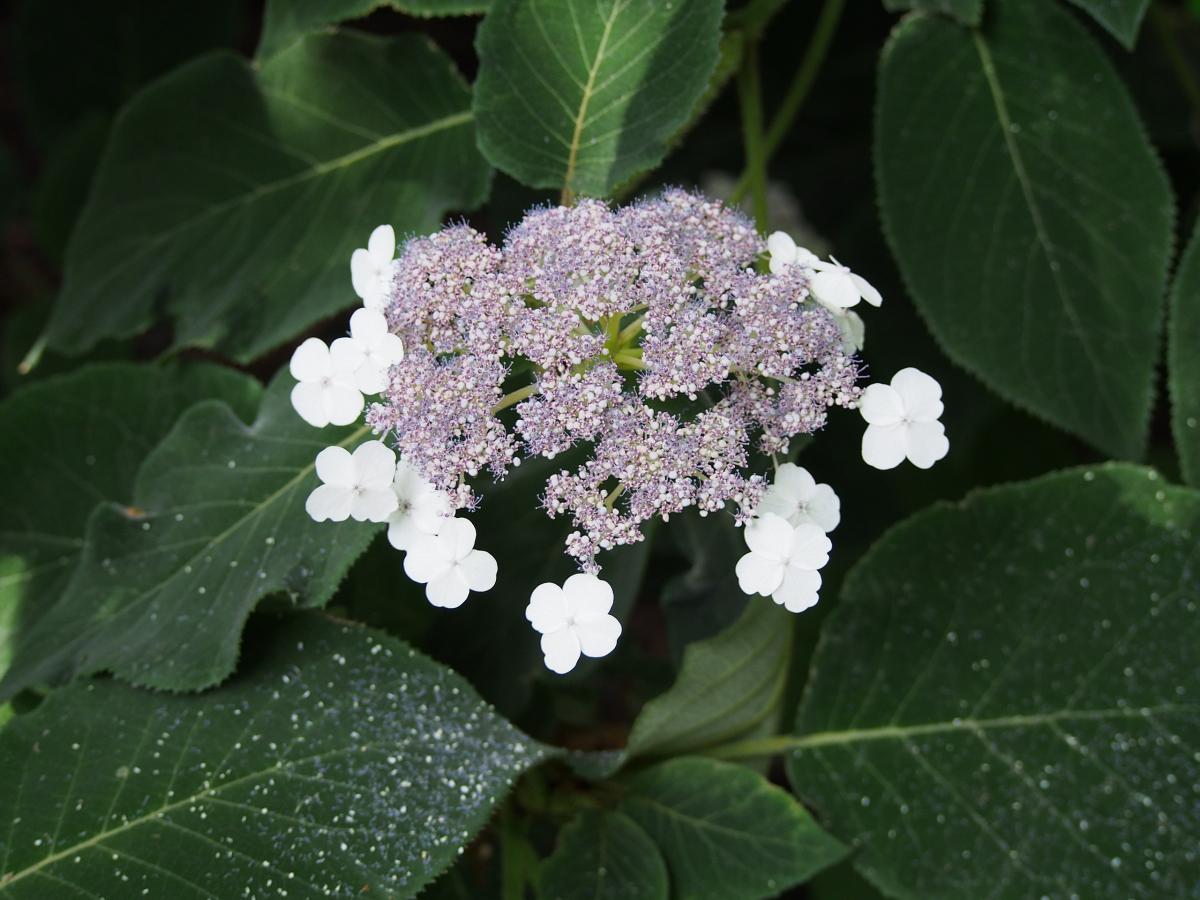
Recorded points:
(629, 359)
(798, 90)
(750, 96)
(515, 397)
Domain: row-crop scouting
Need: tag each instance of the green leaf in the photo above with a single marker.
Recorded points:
(727, 686)
(233, 196)
(584, 94)
(968, 12)
(1121, 18)
(1005, 701)
(604, 855)
(1183, 355)
(339, 762)
(62, 187)
(725, 831)
(1028, 213)
(286, 21)
(218, 522)
(75, 441)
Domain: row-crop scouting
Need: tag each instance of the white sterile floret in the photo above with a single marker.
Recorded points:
(371, 269)
(356, 485)
(835, 287)
(796, 497)
(784, 253)
(371, 350)
(448, 564)
(902, 421)
(327, 391)
(573, 619)
(422, 508)
(783, 562)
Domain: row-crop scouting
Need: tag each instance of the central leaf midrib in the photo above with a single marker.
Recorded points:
(586, 98)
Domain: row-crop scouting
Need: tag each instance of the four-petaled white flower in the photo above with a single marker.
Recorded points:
(835, 287)
(422, 508)
(796, 497)
(370, 351)
(448, 564)
(356, 485)
(371, 268)
(784, 253)
(902, 421)
(783, 561)
(573, 619)
(327, 392)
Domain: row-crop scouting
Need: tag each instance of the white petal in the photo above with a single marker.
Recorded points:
(598, 637)
(854, 331)
(375, 465)
(795, 481)
(310, 361)
(769, 536)
(810, 548)
(547, 609)
(308, 399)
(373, 505)
(335, 465)
(363, 273)
(386, 349)
(920, 393)
(342, 404)
(782, 249)
(758, 575)
(834, 288)
(778, 502)
(588, 597)
(426, 559)
(479, 568)
(382, 244)
(799, 590)
(823, 508)
(459, 535)
(346, 355)
(366, 324)
(867, 290)
(370, 379)
(430, 509)
(402, 530)
(927, 443)
(881, 404)
(329, 501)
(561, 649)
(884, 446)
(449, 590)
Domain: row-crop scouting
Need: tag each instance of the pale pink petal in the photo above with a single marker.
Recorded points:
(810, 547)
(375, 463)
(769, 536)
(867, 290)
(479, 569)
(599, 636)
(329, 501)
(373, 505)
(758, 575)
(833, 288)
(920, 393)
(881, 404)
(448, 590)
(927, 443)
(561, 649)
(382, 244)
(335, 465)
(547, 609)
(308, 399)
(310, 361)
(342, 404)
(884, 446)
(366, 325)
(799, 590)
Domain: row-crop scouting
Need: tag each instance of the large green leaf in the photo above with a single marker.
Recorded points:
(233, 196)
(75, 441)
(727, 686)
(603, 855)
(583, 94)
(726, 833)
(1006, 701)
(1121, 18)
(966, 11)
(1028, 213)
(1184, 361)
(217, 522)
(339, 762)
(286, 21)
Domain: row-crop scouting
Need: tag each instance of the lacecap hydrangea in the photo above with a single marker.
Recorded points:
(662, 348)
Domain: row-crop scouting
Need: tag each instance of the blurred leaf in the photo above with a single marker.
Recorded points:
(966, 11)
(1004, 701)
(73, 442)
(62, 188)
(1028, 213)
(1184, 361)
(72, 64)
(233, 196)
(217, 522)
(727, 685)
(603, 855)
(583, 94)
(286, 21)
(725, 831)
(1120, 18)
(309, 774)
